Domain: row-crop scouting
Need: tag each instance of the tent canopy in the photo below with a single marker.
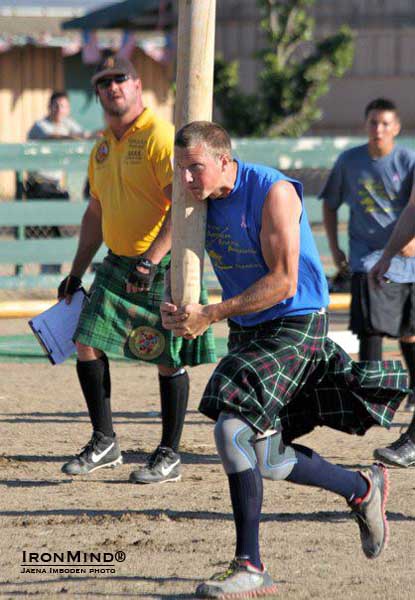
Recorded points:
(130, 14)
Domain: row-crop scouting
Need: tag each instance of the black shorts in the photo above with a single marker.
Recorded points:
(386, 310)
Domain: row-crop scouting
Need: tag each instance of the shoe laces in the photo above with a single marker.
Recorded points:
(91, 445)
(358, 504)
(158, 455)
(234, 566)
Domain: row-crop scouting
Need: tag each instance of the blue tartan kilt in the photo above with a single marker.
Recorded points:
(287, 374)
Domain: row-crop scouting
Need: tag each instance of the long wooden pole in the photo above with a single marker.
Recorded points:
(194, 90)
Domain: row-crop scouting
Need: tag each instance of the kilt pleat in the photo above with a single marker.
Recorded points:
(289, 375)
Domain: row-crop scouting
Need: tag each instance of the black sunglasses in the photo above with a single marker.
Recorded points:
(105, 82)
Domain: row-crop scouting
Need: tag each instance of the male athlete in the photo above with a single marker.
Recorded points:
(282, 375)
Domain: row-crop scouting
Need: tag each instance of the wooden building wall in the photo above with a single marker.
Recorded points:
(383, 65)
(157, 84)
(27, 77)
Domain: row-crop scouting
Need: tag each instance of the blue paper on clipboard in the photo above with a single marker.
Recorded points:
(55, 328)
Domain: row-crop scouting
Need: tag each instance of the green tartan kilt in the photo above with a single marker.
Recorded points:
(289, 376)
(129, 325)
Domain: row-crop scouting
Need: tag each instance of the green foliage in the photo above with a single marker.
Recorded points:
(295, 73)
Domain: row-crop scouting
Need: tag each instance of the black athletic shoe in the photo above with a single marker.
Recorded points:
(100, 451)
(162, 466)
(400, 453)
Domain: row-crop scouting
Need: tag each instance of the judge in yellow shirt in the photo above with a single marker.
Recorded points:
(130, 175)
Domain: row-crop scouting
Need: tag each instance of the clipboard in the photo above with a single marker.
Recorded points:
(55, 327)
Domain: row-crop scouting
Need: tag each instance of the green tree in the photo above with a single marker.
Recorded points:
(295, 73)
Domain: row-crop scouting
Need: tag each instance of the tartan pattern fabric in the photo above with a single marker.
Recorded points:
(288, 375)
(111, 316)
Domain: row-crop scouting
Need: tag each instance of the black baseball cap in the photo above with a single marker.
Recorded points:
(113, 65)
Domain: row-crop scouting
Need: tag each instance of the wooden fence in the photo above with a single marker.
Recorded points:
(16, 215)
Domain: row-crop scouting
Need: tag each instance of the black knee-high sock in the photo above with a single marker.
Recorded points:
(174, 396)
(408, 352)
(370, 347)
(107, 376)
(246, 494)
(95, 383)
(312, 469)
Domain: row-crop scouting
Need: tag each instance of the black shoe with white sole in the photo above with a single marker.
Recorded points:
(162, 466)
(101, 451)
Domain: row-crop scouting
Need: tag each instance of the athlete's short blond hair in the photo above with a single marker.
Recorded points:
(212, 135)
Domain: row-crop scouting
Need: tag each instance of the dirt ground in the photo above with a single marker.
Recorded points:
(161, 541)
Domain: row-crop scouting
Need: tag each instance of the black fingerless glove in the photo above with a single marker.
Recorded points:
(69, 285)
(142, 280)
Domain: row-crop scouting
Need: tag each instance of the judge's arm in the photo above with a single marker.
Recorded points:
(162, 243)
(156, 252)
(90, 239)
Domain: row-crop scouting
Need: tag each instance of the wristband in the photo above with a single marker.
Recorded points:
(139, 279)
(69, 285)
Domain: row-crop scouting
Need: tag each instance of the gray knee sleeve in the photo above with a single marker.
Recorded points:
(234, 441)
(275, 460)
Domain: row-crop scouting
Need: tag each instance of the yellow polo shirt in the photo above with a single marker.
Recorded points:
(127, 176)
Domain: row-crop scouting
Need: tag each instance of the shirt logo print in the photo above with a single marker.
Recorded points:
(96, 457)
(166, 470)
(102, 152)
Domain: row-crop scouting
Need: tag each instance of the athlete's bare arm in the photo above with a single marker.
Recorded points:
(280, 244)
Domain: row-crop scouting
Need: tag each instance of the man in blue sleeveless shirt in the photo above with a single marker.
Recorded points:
(375, 181)
(282, 375)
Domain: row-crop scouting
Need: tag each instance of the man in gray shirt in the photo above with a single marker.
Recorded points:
(57, 125)
(375, 180)
(47, 185)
